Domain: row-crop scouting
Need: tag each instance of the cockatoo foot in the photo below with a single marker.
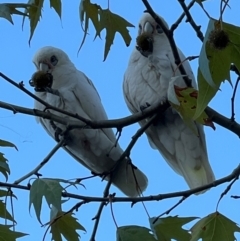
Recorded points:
(52, 91)
(143, 107)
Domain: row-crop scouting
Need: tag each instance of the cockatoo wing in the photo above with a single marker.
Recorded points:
(146, 80)
(96, 149)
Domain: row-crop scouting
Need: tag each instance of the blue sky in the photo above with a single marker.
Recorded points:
(34, 143)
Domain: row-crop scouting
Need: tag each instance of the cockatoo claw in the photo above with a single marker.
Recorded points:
(52, 91)
(143, 107)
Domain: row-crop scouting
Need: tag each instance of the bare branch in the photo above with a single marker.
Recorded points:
(46, 159)
(191, 21)
(159, 197)
(170, 209)
(172, 43)
(233, 99)
(179, 20)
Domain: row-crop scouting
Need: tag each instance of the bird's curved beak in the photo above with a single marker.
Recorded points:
(148, 28)
(43, 67)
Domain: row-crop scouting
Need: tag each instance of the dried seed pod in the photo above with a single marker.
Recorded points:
(218, 39)
(144, 42)
(41, 80)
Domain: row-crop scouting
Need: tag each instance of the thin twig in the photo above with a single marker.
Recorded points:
(46, 159)
(111, 208)
(172, 43)
(227, 190)
(179, 20)
(233, 99)
(101, 206)
(191, 21)
(170, 209)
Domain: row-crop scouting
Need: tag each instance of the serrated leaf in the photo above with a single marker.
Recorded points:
(214, 227)
(205, 94)
(170, 228)
(113, 23)
(34, 15)
(50, 189)
(11, 235)
(4, 168)
(66, 226)
(4, 212)
(215, 61)
(7, 9)
(184, 100)
(57, 5)
(134, 233)
(4, 193)
(87, 11)
(7, 144)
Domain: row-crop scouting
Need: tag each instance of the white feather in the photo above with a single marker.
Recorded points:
(94, 148)
(146, 80)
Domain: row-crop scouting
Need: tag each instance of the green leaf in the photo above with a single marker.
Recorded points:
(171, 228)
(214, 227)
(134, 233)
(184, 100)
(7, 144)
(87, 11)
(221, 47)
(4, 168)
(7, 9)
(8, 234)
(67, 226)
(205, 94)
(50, 189)
(34, 15)
(57, 5)
(113, 23)
(4, 212)
(5, 193)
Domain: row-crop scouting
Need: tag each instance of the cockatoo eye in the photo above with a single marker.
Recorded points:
(159, 29)
(54, 60)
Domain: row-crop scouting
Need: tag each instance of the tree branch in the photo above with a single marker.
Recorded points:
(46, 159)
(159, 197)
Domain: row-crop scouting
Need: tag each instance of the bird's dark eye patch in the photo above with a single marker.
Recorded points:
(53, 60)
(140, 27)
(159, 29)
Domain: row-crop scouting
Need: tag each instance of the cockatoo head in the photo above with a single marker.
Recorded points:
(148, 25)
(150, 34)
(48, 58)
(53, 62)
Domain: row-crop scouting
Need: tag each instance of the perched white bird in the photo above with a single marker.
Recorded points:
(72, 91)
(146, 82)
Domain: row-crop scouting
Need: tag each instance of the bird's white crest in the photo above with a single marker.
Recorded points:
(74, 92)
(150, 80)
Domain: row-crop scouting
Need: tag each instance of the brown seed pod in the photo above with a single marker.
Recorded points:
(218, 39)
(143, 41)
(41, 79)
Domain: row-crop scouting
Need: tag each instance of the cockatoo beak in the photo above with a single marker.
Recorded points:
(148, 28)
(43, 67)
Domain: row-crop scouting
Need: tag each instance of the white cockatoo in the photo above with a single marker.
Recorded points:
(72, 91)
(146, 82)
